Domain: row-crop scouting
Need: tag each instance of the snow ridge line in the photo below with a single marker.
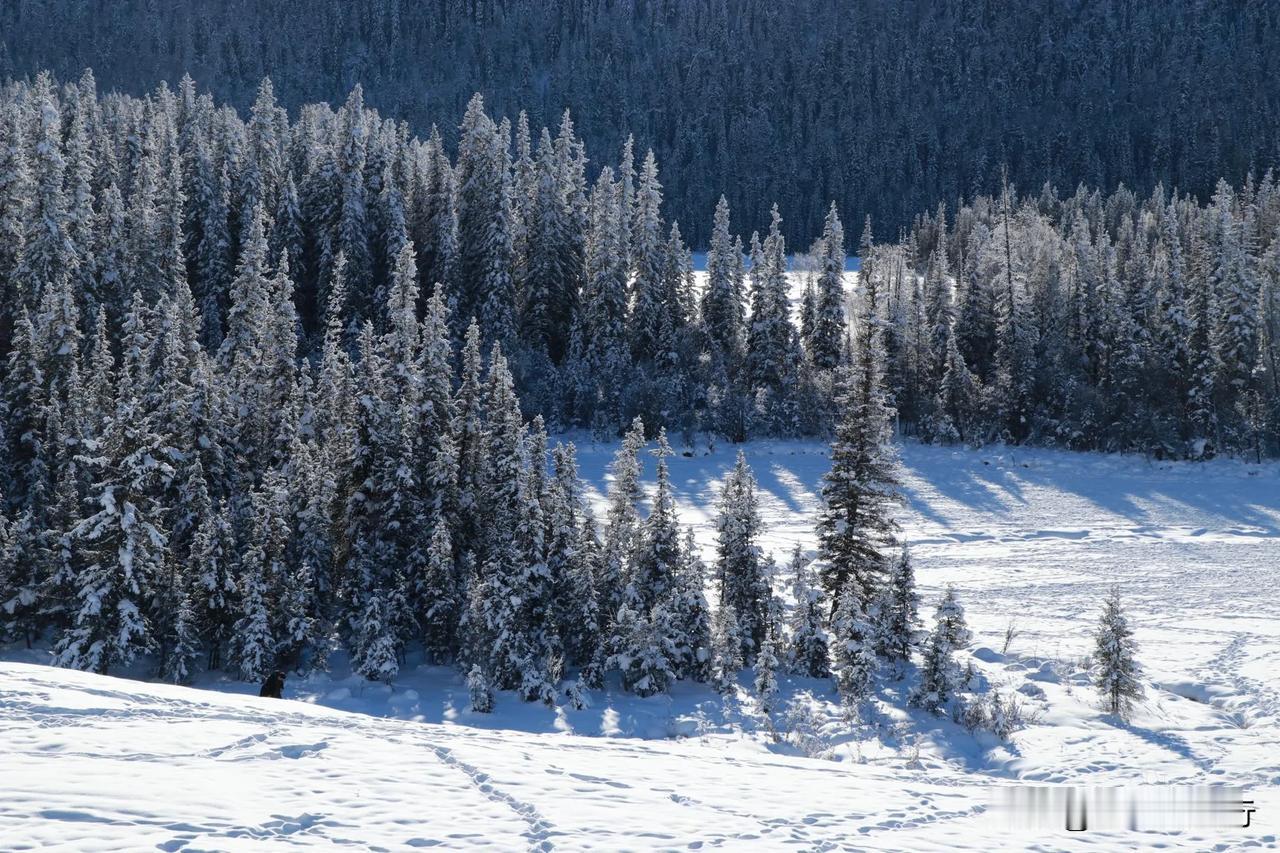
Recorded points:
(539, 832)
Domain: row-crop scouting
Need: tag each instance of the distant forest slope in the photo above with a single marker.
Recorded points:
(886, 108)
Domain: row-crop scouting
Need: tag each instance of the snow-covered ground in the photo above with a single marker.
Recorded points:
(1028, 537)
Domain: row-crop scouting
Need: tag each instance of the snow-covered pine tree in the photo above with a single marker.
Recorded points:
(854, 643)
(856, 525)
(435, 229)
(1235, 327)
(569, 562)
(552, 277)
(897, 611)
(622, 520)
(123, 545)
(1014, 379)
(809, 655)
(772, 342)
(48, 257)
(956, 402)
(480, 690)
(766, 667)
(15, 194)
(939, 675)
(1117, 673)
(514, 590)
(739, 574)
(826, 344)
(658, 554)
(644, 650)
(605, 300)
(25, 463)
(468, 437)
(722, 308)
(215, 582)
(949, 618)
(726, 650)
(486, 256)
(252, 646)
(439, 601)
(691, 618)
(649, 309)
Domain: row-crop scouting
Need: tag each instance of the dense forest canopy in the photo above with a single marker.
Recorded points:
(887, 108)
(276, 386)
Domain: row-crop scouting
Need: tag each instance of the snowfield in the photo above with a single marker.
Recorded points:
(1028, 537)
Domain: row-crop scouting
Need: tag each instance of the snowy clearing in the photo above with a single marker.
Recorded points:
(95, 763)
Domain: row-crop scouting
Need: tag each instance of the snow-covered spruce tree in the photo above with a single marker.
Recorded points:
(772, 342)
(374, 588)
(690, 616)
(739, 575)
(469, 444)
(726, 650)
(123, 545)
(515, 590)
(956, 402)
(648, 639)
(658, 555)
(826, 343)
(854, 642)
(856, 525)
(949, 618)
(480, 690)
(253, 642)
(766, 666)
(438, 596)
(940, 676)
(897, 611)
(554, 264)
(649, 309)
(605, 301)
(484, 275)
(1012, 385)
(48, 256)
(644, 650)
(1117, 673)
(437, 456)
(569, 561)
(722, 308)
(622, 524)
(808, 655)
(435, 221)
(212, 568)
(25, 462)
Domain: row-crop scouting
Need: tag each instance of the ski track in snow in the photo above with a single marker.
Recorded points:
(1037, 537)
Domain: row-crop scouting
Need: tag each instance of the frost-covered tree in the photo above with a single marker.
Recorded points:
(480, 690)
(855, 525)
(123, 545)
(853, 646)
(897, 611)
(739, 573)
(940, 676)
(809, 655)
(644, 652)
(826, 342)
(1117, 673)
(722, 308)
(766, 666)
(690, 616)
(726, 650)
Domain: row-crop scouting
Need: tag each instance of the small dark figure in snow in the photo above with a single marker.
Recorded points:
(273, 686)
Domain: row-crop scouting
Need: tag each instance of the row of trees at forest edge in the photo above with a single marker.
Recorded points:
(273, 384)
